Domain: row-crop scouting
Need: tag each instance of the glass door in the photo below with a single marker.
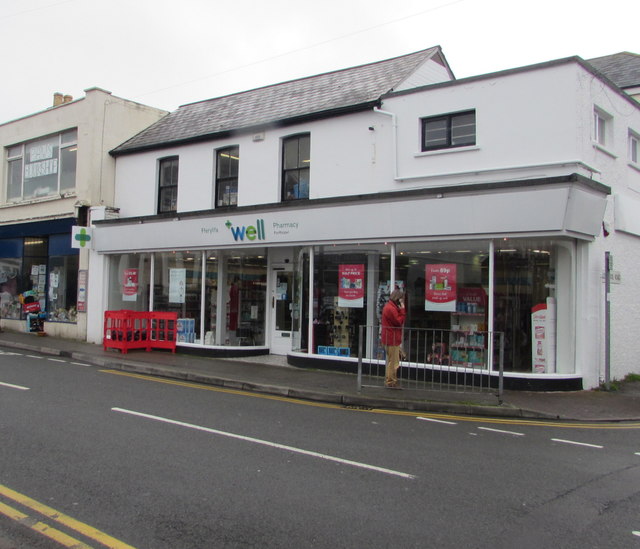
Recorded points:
(281, 309)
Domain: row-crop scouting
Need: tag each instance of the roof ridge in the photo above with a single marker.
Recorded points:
(614, 54)
(433, 49)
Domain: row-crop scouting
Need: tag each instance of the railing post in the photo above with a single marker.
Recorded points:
(360, 338)
(501, 369)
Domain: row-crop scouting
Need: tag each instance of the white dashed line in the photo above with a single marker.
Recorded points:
(437, 420)
(576, 443)
(636, 533)
(267, 443)
(56, 360)
(80, 364)
(500, 431)
(34, 356)
(19, 387)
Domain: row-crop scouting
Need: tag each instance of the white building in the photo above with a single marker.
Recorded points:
(56, 166)
(287, 212)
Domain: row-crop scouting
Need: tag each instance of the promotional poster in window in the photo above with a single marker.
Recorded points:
(440, 287)
(351, 287)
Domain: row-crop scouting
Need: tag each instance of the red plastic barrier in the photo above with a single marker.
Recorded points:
(127, 329)
(163, 331)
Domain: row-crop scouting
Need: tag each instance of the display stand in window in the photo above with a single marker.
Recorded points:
(468, 339)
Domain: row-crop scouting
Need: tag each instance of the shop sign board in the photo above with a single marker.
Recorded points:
(80, 237)
(540, 210)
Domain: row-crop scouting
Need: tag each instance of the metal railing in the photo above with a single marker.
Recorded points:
(436, 360)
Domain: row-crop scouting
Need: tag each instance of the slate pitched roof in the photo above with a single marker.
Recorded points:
(623, 68)
(346, 90)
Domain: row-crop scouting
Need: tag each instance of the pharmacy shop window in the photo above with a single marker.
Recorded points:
(177, 286)
(350, 285)
(442, 278)
(245, 297)
(129, 281)
(534, 294)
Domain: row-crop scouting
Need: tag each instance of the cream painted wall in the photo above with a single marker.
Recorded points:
(103, 122)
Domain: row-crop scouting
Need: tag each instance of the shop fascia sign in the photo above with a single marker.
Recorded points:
(250, 232)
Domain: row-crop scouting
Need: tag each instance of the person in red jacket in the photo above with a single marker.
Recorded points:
(393, 316)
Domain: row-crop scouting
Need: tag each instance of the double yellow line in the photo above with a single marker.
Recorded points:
(54, 534)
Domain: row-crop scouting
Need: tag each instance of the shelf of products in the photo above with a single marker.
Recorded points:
(467, 343)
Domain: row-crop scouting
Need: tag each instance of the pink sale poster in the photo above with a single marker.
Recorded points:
(440, 287)
(351, 286)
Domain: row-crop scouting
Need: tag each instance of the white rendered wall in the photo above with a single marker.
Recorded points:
(530, 124)
(347, 158)
(525, 128)
(623, 240)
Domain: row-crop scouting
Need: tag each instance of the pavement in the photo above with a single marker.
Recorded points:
(272, 375)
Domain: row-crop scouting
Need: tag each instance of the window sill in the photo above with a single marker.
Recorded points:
(38, 200)
(446, 151)
(600, 148)
(633, 166)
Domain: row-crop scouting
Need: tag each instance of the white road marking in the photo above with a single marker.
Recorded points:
(637, 453)
(267, 443)
(80, 364)
(636, 533)
(437, 420)
(19, 387)
(56, 360)
(34, 356)
(501, 431)
(576, 443)
(9, 353)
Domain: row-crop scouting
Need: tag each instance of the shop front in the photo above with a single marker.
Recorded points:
(459, 293)
(38, 273)
(301, 281)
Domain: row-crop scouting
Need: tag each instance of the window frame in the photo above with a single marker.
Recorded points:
(302, 167)
(172, 188)
(65, 165)
(224, 181)
(449, 128)
(602, 128)
(634, 148)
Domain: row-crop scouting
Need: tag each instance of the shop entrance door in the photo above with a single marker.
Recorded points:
(281, 309)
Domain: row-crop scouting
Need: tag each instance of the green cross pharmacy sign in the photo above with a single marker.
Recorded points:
(80, 237)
